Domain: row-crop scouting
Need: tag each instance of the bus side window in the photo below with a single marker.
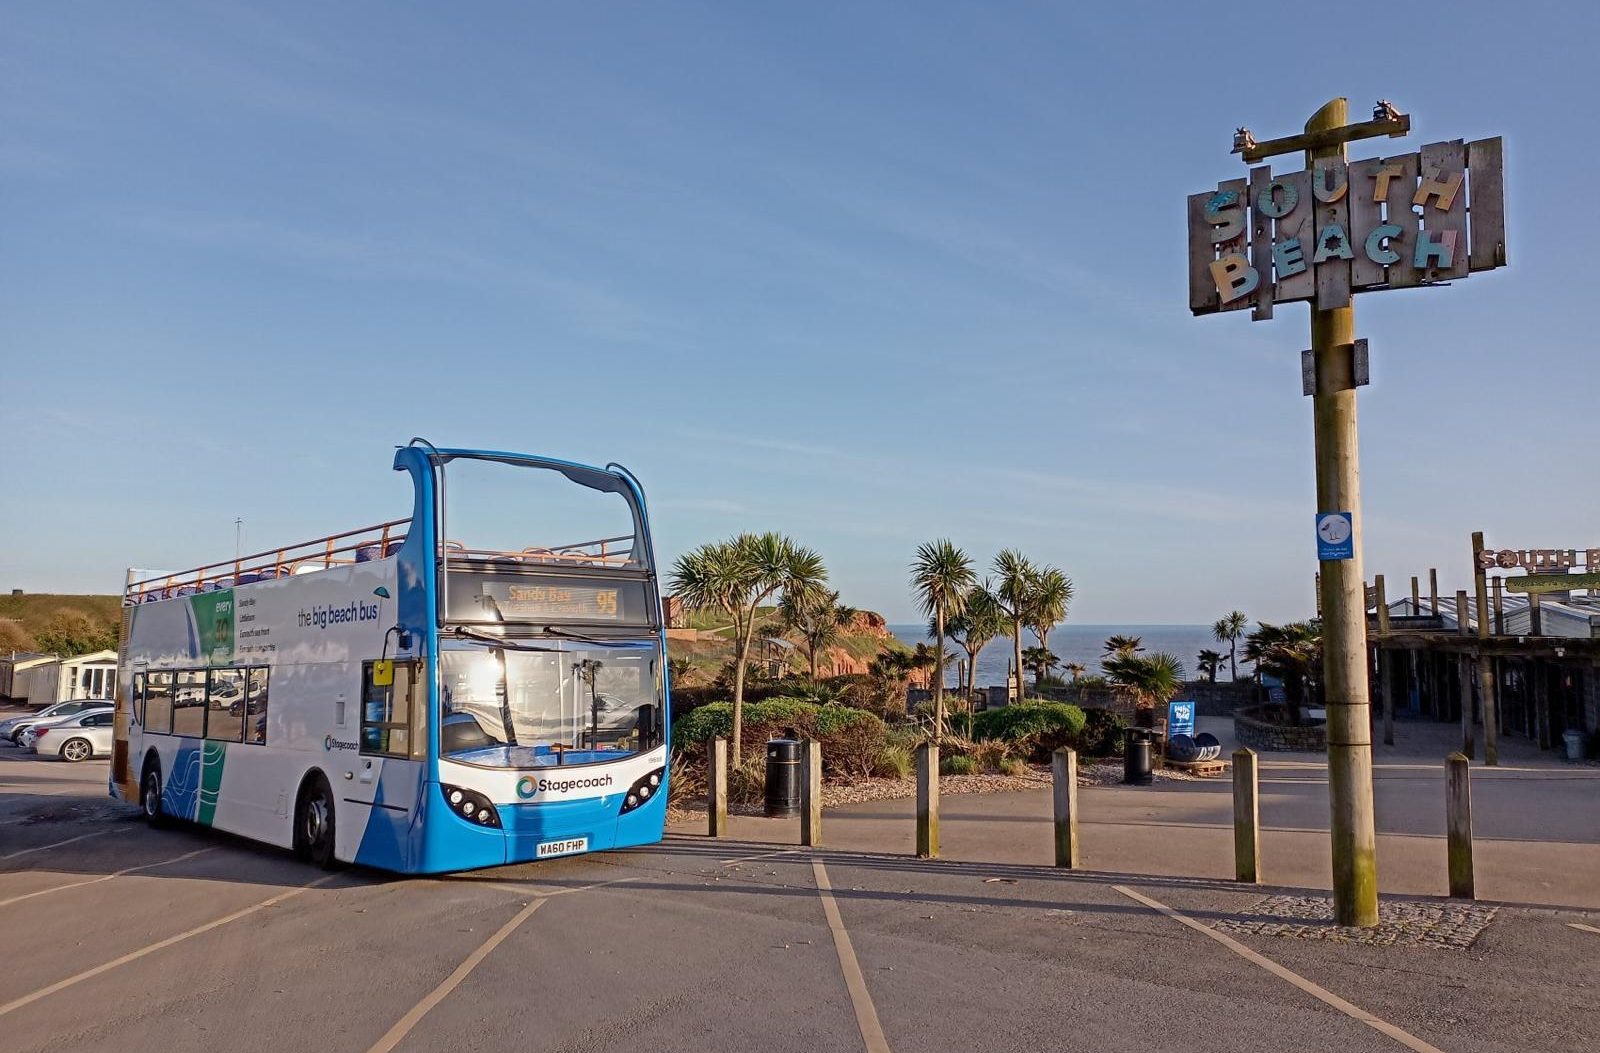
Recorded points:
(136, 699)
(158, 703)
(255, 722)
(392, 721)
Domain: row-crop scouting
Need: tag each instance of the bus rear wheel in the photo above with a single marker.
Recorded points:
(150, 796)
(313, 824)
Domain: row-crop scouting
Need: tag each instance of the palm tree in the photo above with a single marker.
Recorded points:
(1048, 602)
(1013, 591)
(1042, 661)
(941, 576)
(1075, 669)
(981, 621)
(1150, 679)
(679, 670)
(1228, 629)
(817, 617)
(1123, 646)
(1208, 662)
(736, 577)
(1291, 652)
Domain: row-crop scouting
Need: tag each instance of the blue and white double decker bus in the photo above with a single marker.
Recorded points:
(463, 688)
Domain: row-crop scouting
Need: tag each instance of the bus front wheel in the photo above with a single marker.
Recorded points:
(313, 826)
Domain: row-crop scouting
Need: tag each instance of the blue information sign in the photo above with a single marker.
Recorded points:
(1335, 536)
(1180, 719)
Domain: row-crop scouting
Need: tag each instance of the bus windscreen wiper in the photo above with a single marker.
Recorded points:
(568, 634)
(498, 641)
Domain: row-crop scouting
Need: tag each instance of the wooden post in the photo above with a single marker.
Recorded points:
(1499, 608)
(1416, 596)
(1246, 817)
(811, 793)
(1458, 823)
(1535, 615)
(717, 786)
(1486, 678)
(1464, 676)
(927, 801)
(1064, 769)
(1385, 662)
(1343, 594)
(1433, 591)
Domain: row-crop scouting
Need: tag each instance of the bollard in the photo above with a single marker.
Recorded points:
(717, 786)
(1458, 823)
(811, 793)
(1246, 817)
(927, 800)
(1064, 769)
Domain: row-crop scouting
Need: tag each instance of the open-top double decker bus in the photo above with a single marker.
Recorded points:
(429, 694)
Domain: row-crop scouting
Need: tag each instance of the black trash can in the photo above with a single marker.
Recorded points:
(1136, 769)
(783, 779)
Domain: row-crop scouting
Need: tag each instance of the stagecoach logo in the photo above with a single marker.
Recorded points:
(331, 743)
(528, 787)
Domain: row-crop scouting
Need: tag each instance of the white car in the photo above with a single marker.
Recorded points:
(74, 738)
(11, 730)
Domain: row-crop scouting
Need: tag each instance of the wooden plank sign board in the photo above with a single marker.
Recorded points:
(1324, 233)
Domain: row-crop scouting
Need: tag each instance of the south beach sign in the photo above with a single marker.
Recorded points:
(1339, 228)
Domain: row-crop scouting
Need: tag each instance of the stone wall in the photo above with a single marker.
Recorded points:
(1220, 700)
(1251, 730)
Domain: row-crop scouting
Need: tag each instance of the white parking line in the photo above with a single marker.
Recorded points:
(413, 1017)
(764, 855)
(88, 974)
(58, 844)
(106, 877)
(1405, 1038)
(1584, 928)
(854, 982)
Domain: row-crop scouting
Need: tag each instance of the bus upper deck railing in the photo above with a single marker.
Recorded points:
(360, 546)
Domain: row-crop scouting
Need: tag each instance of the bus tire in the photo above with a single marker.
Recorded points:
(314, 823)
(150, 794)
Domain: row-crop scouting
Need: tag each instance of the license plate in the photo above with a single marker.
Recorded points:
(562, 848)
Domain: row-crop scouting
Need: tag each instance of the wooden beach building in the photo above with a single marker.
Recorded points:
(1536, 643)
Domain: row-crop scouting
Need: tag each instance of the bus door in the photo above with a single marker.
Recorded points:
(383, 782)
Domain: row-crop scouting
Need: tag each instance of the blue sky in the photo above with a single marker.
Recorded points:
(864, 273)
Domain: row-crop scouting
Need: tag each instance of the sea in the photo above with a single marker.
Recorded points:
(1086, 644)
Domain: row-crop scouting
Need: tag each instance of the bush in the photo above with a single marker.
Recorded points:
(990, 754)
(894, 762)
(1013, 766)
(851, 738)
(1033, 727)
(1102, 733)
(958, 765)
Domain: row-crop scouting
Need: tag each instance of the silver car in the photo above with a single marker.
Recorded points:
(11, 730)
(74, 738)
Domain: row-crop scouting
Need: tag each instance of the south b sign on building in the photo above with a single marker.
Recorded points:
(1340, 228)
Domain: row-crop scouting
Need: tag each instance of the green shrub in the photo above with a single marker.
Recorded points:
(958, 765)
(851, 738)
(747, 781)
(1102, 733)
(1033, 727)
(1013, 766)
(893, 762)
(691, 731)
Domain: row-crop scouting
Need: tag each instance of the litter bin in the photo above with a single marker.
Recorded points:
(1574, 743)
(783, 779)
(1136, 770)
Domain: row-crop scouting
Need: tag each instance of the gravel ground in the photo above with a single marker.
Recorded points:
(858, 791)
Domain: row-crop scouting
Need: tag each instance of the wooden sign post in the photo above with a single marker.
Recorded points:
(1322, 235)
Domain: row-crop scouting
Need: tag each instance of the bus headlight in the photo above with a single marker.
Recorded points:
(645, 789)
(471, 805)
